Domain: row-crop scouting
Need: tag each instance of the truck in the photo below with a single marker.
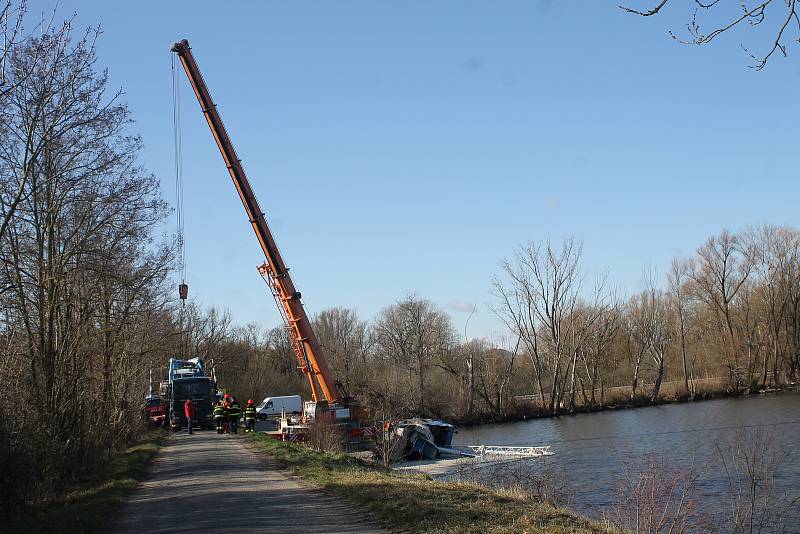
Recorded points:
(272, 407)
(154, 410)
(187, 379)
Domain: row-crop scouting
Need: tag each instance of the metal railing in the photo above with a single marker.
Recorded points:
(502, 450)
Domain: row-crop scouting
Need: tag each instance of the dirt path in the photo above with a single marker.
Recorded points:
(211, 483)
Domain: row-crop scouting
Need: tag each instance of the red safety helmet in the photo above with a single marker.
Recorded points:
(249, 402)
(226, 396)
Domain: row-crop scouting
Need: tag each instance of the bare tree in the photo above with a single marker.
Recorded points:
(637, 337)
(660, 337)
(390, 400)
(597, 352)
(248, 361)
(649, 333)
(12, 76)
(207, 335)
(746, 13)
(12, 15)
(722, 267)
(82, 271)
(774, 250)
(751, 326)
(413, 333)
(536, 302)
(505, 373)
(680, 299)
(471, 352)
(490, 375)
(792, 321)
(346, 341)
(754, 502)
(586, 338)
(469, 361)
(654, 498)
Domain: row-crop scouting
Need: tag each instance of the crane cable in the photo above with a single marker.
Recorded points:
(177, 139)
(183, 289)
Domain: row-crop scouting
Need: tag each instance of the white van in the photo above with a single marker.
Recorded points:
(273, 406)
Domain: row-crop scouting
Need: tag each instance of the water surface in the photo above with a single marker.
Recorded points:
(592, 450)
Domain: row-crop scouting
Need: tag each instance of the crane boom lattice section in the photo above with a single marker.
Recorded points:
(290, 326)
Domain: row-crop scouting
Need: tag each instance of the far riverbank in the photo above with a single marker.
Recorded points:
(619, 398)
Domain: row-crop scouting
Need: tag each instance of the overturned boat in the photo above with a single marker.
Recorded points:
(424, 439)
(431, 439)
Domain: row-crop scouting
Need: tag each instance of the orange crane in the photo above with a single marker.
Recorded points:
(304, 343)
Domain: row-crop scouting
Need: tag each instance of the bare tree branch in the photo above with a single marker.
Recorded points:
(754, 15)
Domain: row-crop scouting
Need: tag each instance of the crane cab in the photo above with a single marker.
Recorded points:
(324, 411)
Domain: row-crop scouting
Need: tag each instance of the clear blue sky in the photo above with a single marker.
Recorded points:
(409, 146)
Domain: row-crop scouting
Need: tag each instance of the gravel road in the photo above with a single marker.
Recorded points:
(211, 483)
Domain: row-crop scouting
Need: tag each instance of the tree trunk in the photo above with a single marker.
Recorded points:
(470, 384)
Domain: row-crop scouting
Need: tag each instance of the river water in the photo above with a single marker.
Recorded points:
(592, 450)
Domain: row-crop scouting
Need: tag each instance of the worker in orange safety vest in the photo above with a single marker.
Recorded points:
(219, 416)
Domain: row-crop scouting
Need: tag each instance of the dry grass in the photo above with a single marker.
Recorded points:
(415, 503)
(90, 507)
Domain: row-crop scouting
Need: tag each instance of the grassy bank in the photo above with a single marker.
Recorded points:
(90, 506)
(415, 503)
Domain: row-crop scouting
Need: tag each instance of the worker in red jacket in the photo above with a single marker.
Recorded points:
(188, 411)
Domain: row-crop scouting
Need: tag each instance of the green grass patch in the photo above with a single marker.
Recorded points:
(416, 503)
(90, 506)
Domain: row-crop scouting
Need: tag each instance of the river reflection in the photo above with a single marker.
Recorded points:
(593, 449)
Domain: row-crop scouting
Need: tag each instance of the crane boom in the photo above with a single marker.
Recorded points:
(304, 342)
